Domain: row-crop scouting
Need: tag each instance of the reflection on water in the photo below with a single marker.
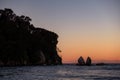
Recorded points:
(63, 72)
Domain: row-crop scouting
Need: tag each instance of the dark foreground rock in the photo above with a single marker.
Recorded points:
(23, 44)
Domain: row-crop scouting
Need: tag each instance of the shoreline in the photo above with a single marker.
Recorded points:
(69, 64)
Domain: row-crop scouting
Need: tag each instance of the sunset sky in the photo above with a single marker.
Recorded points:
(85, 27)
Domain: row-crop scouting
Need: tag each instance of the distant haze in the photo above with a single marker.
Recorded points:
(85, 27)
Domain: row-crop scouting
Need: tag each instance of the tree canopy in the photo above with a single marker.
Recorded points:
(21, 43)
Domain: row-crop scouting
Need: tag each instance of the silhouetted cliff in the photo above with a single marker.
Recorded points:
(23, 44)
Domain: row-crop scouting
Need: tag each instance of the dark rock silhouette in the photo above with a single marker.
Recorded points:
(100, 64)
(81, 61)
(88, 61)
(23, 44)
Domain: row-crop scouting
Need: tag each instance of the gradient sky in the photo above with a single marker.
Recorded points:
(85, 27)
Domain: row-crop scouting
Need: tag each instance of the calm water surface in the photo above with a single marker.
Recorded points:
(62, 72)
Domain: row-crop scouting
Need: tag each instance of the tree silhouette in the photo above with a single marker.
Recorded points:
(23, 44)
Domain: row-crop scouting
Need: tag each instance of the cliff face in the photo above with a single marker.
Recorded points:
(23, 44)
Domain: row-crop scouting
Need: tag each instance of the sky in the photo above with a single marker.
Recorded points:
(85, 27)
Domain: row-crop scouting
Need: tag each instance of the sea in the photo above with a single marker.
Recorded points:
(61, 72)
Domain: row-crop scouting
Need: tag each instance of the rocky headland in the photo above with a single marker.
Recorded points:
(21, 43)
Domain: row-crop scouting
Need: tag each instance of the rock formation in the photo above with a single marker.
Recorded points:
(88, 61)
(81, 61)
(23, 44)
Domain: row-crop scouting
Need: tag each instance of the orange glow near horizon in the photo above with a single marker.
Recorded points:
(85, 27)
(72, 54)
(100, 50)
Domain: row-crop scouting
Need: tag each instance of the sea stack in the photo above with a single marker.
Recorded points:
(88, 61)
(81, 61)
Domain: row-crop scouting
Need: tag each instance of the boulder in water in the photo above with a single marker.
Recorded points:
(88, 61)
(81, 61)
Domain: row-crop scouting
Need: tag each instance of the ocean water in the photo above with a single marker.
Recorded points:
(61, 72)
